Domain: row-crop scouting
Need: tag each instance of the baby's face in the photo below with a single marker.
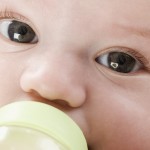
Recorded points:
(89, 58)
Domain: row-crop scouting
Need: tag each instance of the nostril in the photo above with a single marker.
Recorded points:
(59, 103)
(34, 93)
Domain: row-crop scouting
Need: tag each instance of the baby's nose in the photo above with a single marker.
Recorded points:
(58, 77)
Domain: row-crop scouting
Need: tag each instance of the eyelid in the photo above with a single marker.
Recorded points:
(6, 14)
(134, 53)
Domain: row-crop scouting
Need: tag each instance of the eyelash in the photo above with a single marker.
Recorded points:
(6, 14)
(131, 52)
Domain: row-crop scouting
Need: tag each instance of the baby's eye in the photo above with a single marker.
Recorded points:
(17, 31)
(119, 61)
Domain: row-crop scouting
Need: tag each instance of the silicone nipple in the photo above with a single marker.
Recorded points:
(28, 125)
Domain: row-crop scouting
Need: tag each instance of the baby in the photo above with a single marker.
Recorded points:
(88, 58)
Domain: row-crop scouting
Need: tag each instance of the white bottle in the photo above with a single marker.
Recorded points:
(28, 125)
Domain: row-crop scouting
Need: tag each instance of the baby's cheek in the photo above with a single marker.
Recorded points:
(129, 128)
(10, 70)
(118, 118)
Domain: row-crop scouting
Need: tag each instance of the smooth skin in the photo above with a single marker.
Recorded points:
(111, 108)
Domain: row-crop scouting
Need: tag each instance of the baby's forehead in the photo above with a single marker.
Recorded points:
(138, 6)
(128, 14)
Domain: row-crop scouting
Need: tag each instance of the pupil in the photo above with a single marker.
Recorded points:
(121, 59)
(22, 30)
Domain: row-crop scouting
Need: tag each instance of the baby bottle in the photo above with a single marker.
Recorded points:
(28, 125)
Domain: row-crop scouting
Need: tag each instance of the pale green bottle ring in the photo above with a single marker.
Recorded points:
(46, 119)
